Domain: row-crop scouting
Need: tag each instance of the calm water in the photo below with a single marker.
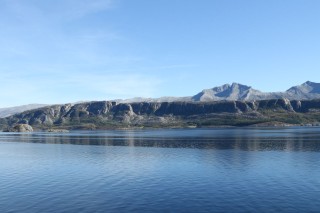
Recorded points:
(195, 170)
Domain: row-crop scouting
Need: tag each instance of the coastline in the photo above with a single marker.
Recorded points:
(268, 125)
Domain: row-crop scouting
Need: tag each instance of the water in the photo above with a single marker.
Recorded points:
(194, 170)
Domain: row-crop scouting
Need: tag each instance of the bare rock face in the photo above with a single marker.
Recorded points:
(22, 128)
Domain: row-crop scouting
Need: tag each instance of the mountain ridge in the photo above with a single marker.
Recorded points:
(306, 91)
(240, 92)
(227, 92)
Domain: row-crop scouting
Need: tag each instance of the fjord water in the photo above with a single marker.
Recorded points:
(178, 170)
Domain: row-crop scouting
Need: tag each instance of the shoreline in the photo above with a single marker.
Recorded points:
(67, 130)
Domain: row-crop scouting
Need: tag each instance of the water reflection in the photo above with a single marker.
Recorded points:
(290, 139)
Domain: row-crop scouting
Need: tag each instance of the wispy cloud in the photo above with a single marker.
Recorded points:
(56, 10)
(80, 8)
(113, 86)
(38, 32)
(63, 88)
(48, 55)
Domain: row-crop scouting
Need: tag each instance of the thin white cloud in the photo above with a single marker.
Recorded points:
(65, 88)
(40, 37)
(80, 8)
(56, 10)
(42, 61)
(114, 86)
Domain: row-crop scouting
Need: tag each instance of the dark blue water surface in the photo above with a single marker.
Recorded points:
(184, 170)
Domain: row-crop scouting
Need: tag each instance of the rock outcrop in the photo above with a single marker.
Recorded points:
(20, 128)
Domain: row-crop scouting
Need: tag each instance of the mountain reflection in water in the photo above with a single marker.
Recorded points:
(248, 139)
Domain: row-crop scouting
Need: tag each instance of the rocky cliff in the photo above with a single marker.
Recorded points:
(105, 114)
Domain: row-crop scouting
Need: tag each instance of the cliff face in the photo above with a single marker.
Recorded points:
(110, 114)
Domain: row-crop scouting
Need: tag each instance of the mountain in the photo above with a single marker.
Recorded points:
(232, 92)
(239, 92)
(5, 112)
(110, 115)
(308, 90)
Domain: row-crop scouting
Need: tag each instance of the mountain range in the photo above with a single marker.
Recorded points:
(231, 105)
(113, 115)
(239, 92)
(234, 92)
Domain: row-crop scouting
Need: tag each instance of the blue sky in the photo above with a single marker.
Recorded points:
(71, 50)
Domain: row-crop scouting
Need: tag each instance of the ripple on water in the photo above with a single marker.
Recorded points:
(205, 171)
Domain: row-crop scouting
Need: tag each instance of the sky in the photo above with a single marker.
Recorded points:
(65, 51)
